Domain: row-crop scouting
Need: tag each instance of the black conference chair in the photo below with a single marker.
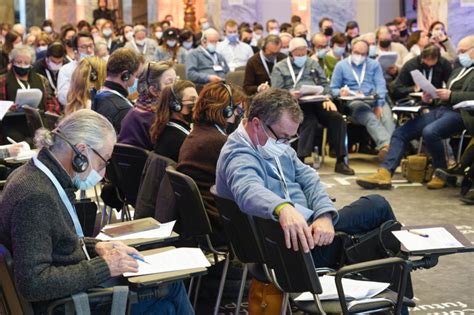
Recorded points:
(195, 223)
(124, 172)
(294, 272)
(11, 302)
(50, 120)
(240, 230)
(33, 119)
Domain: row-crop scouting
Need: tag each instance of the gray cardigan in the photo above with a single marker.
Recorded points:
(36, 227)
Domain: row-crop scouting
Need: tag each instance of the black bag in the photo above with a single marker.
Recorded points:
(376, 244)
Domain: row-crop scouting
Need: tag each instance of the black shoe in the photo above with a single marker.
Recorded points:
(468, 198)
(448, 176)
(343, 168)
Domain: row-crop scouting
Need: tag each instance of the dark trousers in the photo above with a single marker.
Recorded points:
(315, 114)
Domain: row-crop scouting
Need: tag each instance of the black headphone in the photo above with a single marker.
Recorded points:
(229, 109)
(175, 105)
(80, 162)
(93, 76)
(125, 76)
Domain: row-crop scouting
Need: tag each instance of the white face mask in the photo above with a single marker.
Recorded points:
(53, 66)
(140, 42)
(271, 149)
(129, 36)
(357, 59)
(159, 35)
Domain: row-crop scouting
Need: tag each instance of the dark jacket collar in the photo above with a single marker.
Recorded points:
(116, 87)
(58, 171)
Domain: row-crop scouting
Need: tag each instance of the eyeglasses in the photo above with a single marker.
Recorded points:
(84, 47)
(283, 140)
(106, 162)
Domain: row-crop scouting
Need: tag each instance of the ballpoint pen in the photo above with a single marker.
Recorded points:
(135, 256)
(11, 140)
(418, 233)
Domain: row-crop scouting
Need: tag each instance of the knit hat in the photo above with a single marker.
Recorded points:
(297, 42)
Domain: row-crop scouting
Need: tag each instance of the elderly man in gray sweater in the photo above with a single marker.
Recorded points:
(204, 64)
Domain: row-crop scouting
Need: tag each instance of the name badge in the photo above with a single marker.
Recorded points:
(218, 68)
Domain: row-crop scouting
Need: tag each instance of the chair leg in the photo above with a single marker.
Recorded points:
(284, 304)
(318, 304)
(196, 292)
(323, 144)
(190, 288)
(221, 285)
(242, 288)
(461, 142)
(97, 199)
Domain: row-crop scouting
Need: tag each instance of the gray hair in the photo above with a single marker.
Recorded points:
(139, 28)
(83, 126)
(269, 106)
(208, 32)
(274, 39)
(22, 50)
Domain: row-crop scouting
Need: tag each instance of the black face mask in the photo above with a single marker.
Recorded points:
(328, 31)
(247, 41)
(21, 71)
(231, 127)
(188, 117)
(385, 43)
(303, 36)
(404, 33)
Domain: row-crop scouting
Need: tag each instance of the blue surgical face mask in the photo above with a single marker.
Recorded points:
(187, 45)
(372, 50)
(205, 26)
(339, 51)
(233, 38)
(171, 43)
(91, 180)
(322, 52)
(211, 48)
(84, 55)
(465, 60)
(299, 61)
(132, 89)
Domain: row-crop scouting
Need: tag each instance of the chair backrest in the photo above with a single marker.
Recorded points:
(10, 301)
(192, 215)
(295, 271)
(180, 71)
(125, 170)
(236, 77)
(33, 119)
(240, 230)
(50, 120)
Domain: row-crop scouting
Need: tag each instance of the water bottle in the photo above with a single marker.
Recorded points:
(316, 159)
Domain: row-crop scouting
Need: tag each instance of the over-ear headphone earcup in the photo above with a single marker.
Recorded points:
(176, 106)
(93, 76)
(125, 76)
(80, 163)
(228, 112)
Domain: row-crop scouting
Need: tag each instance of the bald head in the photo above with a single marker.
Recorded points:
(300, 30)
(360, 47)
(285, 39)
(466, 46)
(319, 40)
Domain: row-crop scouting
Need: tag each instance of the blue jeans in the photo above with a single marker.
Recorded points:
(380, 130)
(440, 123)
(363, 215)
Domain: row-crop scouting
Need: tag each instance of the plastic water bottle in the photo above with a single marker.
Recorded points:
(316, 159)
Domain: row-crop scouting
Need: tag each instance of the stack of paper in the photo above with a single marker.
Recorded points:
(164, 230)
(423, 83)
(353, 289)
(387, 59)
(467, 105)
(4, 107)
(172, 260)
(411, 109)
(427, 239)
(311, 90)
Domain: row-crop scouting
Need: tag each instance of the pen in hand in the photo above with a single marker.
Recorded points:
(11, 140)
(418, 233)
(135, 256)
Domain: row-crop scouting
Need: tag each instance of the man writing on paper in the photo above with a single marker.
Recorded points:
(296, 71)
(440, 123)
(39, 225)
(361, 76)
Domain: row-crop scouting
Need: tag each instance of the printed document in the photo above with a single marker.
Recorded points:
(423, 83)
(164, 230)
(427, 239)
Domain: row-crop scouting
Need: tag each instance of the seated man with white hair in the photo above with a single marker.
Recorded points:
(291, 74)
(141, 44)
(285, 42)
(204, 64)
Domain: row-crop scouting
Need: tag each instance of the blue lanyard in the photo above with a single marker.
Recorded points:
(62, 194)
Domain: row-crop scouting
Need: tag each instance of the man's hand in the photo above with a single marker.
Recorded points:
(14, 149)
(263, 87)
(329, 106)
(378, 111)
(443, 94)
(426, 97)
(295, 227)
(323, 230)
(214, 78)
(392, 70)
(344, 91)
(117, 256)
(296, 94)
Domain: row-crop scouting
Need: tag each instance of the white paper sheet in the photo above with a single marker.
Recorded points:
(387, 59)
(173, 260)
(30, 97)
(423, 83)
(4, 107)
(313, 98)
(416, 94)
(355, 97)
(411, 109)
(311, 89)
(468, 105)
(164, 230)
(353, 289)
(438, 238)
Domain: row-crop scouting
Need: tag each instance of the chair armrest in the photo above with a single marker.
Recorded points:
(375, 264)
(95, 293)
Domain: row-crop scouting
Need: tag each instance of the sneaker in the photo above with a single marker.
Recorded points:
(382, 153)
(343, 168)
(382, 179)
(436, 183)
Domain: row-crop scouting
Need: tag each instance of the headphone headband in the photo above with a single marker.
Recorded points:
(176, 105)
(229, 109)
